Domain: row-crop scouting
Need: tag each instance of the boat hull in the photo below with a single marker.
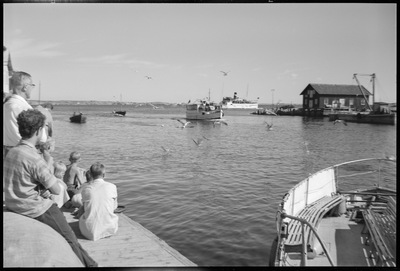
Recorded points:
(231, 105)
(203, 115)
(119, 113)
(364, 118)
(78, 119)
(321, 221)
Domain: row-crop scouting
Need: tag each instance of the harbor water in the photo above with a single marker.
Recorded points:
(215, 202)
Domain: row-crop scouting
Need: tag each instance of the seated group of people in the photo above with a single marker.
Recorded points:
(93, 198)
(36, 187)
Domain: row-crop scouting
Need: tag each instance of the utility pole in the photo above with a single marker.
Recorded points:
(272, 90)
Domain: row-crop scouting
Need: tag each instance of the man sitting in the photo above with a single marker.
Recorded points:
(99, 199)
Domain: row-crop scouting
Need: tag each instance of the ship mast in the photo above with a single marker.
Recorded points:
(373, 87)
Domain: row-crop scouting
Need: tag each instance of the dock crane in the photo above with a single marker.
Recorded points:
(373, 87)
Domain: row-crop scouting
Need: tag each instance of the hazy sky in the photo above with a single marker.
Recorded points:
(102, 51)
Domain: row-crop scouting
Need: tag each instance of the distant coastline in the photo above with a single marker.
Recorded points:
(134, 104)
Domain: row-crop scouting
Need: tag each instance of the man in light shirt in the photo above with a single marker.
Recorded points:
(22, 86)
(99, 200)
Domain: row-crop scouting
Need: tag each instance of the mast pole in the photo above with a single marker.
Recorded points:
(39, 91)
(373, 88)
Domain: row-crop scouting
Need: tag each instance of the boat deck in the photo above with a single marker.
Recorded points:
(345, 242)
(132, 246)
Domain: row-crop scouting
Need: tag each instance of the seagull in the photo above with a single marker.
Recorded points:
(306, 144)
(206, 138)
(391, 157)
(269, 126)
(165, 150)
(148, 77)
(184, 124)
(342, 121)
(198, 142)
(225, 73)
(219, 122)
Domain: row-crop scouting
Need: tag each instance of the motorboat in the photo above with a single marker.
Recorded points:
(343, 215)
(203, 110)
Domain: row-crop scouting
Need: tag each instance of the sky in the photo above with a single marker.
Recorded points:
(271, 51)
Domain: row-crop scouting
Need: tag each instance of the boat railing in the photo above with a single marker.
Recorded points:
(305, 223)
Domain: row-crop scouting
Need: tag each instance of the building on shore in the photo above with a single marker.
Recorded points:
(328, 97)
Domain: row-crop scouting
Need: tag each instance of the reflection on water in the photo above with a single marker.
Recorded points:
(214, 202)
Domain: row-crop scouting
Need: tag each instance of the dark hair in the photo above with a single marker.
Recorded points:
(17, 78)
(30, 121)
(97, 170)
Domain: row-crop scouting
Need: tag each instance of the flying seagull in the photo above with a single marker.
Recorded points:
(225, 73)
(198, 142)
(342, 121)
(184, 124)
(219, 122)
(269, 126)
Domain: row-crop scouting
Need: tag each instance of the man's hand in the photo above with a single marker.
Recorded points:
(45, 194)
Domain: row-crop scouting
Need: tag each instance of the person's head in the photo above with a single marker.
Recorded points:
(88, 176)
(59, 169)
(48, 106)
(97, 170)
(21, 84)
(74, 157)
(31, 123)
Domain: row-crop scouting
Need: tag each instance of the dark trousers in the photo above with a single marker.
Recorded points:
(55, 219)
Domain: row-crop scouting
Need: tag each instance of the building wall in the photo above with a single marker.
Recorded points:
(6, 78)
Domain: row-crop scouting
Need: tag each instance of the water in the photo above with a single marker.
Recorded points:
(216, 202)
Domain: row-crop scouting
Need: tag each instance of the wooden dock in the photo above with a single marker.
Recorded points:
(132, 246)
(30, 243)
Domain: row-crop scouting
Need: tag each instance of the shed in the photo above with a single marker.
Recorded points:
(343, 97)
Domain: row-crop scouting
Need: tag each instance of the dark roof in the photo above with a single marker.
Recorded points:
(333, 89)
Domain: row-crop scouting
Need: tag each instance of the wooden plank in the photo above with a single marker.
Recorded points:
(132, 246)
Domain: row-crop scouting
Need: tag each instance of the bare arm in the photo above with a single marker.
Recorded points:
(55, 189)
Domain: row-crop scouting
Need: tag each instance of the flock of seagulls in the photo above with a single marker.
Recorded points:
(148, 77)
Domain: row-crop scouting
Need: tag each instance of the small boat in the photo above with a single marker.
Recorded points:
(263, 111)
(78, 118)
(203, 110)
(119, 113)
(238, 103)
(339, 216)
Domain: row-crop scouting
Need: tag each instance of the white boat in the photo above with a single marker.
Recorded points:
(332, 218)
(238, 103)
(203, 110)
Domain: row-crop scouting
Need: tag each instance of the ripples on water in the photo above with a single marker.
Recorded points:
(216, 202)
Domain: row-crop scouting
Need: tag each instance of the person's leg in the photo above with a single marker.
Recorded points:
(55, 219)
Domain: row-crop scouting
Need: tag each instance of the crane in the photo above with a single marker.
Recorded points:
(373, 87)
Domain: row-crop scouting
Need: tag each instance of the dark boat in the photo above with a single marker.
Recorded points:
(79, 118)
(119, 113)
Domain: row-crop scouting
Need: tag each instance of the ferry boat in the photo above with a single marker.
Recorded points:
(203, 110)
(330, 219)
(238, 103)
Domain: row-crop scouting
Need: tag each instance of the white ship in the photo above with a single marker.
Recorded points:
(238, 103)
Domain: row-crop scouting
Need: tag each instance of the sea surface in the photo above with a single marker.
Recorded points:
(214, 202)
